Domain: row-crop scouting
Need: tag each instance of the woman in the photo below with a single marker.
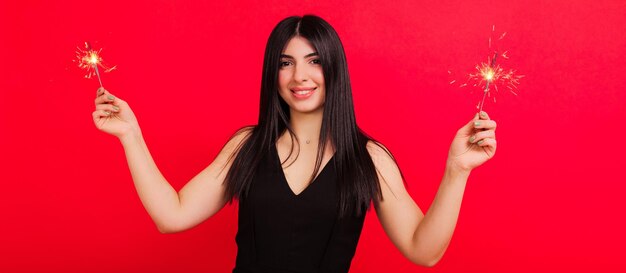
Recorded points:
(305, 175)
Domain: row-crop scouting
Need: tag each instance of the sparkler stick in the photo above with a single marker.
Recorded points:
(488, 77)
(94, 62)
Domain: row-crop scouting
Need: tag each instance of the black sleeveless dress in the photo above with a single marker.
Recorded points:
(280, 231)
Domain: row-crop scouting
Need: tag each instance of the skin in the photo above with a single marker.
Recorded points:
(422, 238)
(300, 67)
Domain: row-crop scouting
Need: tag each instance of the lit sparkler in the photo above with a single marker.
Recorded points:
(89, 60)
(489, 74)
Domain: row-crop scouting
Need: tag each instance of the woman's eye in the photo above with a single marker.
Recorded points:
(287, 63)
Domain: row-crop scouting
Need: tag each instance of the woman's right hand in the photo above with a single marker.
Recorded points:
(113, 115)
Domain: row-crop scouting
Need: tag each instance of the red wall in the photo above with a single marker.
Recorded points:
(549, 201)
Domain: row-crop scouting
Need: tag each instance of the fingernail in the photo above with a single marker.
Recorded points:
(107, 113)
(483, 113)
(472, 139)
(116, 108)
(110, 97)
(476, 123)
(481, 141)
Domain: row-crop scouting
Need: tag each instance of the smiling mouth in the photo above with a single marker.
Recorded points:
(303, 93)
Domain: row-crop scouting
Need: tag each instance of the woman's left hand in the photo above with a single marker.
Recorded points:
(474, 144)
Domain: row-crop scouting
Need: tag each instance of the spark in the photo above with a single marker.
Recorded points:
(89, 60)
(490, 75)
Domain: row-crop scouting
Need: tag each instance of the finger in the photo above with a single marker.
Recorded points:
(483, 115)
(482, 135)
(485, 124)
(488, 142)
(105, 98)
(468, 128)
(108, 107)
(100, 114)
(100, 91)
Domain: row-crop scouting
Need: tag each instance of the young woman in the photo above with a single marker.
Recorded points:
(305, 175)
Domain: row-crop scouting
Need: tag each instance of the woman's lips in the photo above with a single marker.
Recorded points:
(302, 92)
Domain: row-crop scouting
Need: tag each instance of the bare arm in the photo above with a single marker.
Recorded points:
(171, 211)
(423, 239)
(199, 199)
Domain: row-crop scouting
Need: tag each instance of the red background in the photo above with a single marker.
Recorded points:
(549, 201)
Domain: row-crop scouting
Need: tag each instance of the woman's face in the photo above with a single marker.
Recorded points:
(300, 77)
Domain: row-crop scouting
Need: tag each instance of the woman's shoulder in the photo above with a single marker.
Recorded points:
(243, 132)
(238, 138)
(377, 150)
(383, 159)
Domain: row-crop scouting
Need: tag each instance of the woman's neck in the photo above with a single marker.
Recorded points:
(307, 126)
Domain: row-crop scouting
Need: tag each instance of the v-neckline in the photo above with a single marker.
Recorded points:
(284, 177)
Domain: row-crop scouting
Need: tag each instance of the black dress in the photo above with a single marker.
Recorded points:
(280, 231)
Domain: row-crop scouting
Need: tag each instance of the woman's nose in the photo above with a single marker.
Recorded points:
(300, 73)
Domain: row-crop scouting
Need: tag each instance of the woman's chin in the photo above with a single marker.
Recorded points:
(307, 109)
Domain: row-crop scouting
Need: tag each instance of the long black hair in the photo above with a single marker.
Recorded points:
(358, 183)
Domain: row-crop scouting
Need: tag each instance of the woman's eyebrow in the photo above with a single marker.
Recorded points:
(306, 56)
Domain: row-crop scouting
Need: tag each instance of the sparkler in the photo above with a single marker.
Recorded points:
(89, 60)
(489, 74)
